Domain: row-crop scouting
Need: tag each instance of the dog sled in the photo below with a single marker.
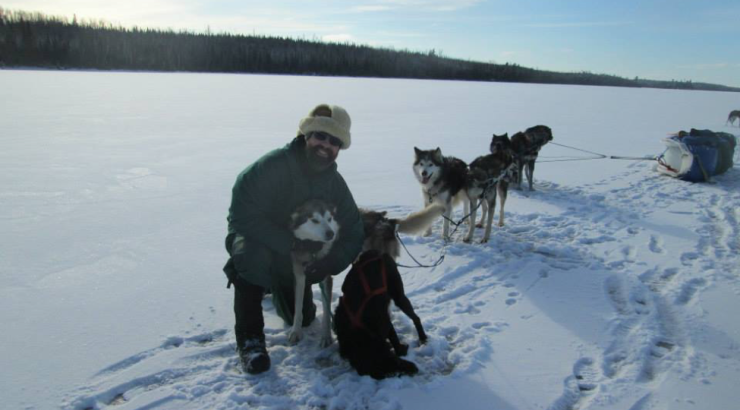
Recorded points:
(697, 155)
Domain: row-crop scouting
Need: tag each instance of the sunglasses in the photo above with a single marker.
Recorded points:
(322, 136)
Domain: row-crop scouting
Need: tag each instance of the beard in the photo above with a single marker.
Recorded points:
(319, 158)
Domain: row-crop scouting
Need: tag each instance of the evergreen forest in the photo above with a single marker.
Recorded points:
(41, 41)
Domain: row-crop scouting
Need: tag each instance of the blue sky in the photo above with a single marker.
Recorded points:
(657, 39)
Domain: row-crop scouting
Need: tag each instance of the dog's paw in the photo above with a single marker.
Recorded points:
(326, 341)
(479, 225)
(407, 367)
(467, 240)
(402, 349)
(483, 241)
(295, 336)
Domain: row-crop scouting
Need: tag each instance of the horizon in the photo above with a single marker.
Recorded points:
(651, 39)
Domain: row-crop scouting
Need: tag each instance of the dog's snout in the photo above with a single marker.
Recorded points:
(329, 235)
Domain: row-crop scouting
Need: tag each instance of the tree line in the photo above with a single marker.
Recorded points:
(37, 40)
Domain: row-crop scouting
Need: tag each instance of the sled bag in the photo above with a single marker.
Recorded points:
(697, 155)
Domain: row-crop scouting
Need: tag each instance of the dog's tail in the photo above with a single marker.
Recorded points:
(417, 221)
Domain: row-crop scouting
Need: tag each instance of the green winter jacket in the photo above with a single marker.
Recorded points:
(263, 198)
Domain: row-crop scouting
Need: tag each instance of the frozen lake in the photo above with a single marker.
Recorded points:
(114, 189)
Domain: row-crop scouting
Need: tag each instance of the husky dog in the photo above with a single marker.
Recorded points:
(489, 177)
(362, 319)
(526, 146)
(734, 115)
(442, 181)
(315, 229)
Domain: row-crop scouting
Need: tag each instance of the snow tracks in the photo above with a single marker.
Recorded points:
(643, 271)
(670, 240)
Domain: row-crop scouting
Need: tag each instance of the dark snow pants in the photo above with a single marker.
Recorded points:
(248, 296)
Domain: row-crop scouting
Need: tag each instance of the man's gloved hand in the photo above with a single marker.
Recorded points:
(305, 245)
(319, 270)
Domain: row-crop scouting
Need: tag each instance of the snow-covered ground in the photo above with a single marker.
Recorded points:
(610, 287)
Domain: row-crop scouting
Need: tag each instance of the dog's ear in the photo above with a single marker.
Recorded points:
(438, 155)
(417, 151)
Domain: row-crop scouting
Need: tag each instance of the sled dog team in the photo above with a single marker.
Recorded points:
(447, 180)
(362, 322)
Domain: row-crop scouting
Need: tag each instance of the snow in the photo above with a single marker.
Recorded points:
(609, 287)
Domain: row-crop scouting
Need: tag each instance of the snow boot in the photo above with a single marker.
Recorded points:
(253, 355)
(249, 328)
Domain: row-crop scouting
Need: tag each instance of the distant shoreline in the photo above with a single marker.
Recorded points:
(134, 71)
(36, 41)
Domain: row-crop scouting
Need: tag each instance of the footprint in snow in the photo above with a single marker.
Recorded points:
(586, 375)
(513, 298)
(656, 244)
(657, 281)
(580, 387)
(630, 253)
(481, 325)
(689, 289)
(616, 294)
(658, 351)
(468, 308)
(688, 258)
(613, 363)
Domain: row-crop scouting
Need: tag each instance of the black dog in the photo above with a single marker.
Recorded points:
(362, 318)
(525, 147)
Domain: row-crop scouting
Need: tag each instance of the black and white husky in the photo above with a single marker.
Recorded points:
(442, 182)
(488, 178)
(315, 228)
(525, 147)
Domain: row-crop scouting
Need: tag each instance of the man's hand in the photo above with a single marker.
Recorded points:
(305, 245)
(318, 271)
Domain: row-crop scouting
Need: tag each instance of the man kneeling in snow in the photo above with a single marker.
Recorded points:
(259, 241)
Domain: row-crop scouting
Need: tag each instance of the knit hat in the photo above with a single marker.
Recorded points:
(331, 119)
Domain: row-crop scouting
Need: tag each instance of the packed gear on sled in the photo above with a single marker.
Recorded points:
(697, 155)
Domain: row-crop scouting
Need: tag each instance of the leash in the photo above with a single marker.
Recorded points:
(419, 264)
(594, 155)
(646, 158)
(490, 183)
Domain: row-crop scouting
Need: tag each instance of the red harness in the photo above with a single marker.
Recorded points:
(356, 317)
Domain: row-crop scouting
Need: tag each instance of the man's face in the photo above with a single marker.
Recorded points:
(322, 149)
